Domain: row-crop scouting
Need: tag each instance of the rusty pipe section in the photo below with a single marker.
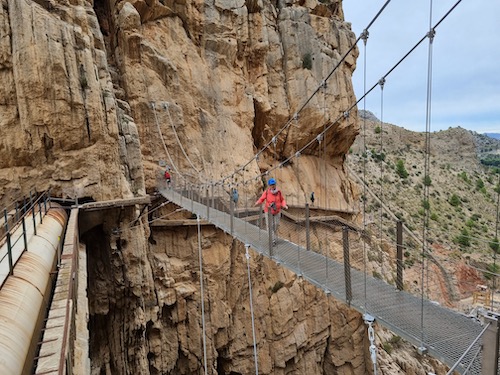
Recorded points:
(24, 295)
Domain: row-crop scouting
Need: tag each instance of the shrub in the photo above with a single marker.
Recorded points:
(427, 181)
(307, 61)
(479, 184)
(464, 177)
(470, 223)
(388, 347)
(378, 130)
(493, 268)
(455, 201)
(425, 204)
(495, 245)
(400, 169)
(395, 340)
(463, 238)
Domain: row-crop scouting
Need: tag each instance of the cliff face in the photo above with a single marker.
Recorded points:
(96, 95)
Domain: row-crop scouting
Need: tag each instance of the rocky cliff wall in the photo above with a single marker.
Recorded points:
(95, 95)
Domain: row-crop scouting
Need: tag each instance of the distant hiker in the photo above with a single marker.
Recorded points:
(274, 203)
(312, 198)
(168, 178)
(235, 196)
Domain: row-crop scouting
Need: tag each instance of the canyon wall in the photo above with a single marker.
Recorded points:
(97, 97)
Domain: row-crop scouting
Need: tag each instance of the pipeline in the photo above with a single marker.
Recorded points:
(25, 294)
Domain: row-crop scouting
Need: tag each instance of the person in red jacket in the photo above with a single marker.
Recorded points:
(274, 202)
(168, 178)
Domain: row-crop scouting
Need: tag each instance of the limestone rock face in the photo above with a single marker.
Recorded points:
(96, 97)
(60, 122)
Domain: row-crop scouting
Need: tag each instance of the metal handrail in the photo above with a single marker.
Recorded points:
(37, 206)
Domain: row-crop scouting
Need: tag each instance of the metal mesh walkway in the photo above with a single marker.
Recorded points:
(445, 334)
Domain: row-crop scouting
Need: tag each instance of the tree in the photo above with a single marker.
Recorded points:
(427, 180)
(463, 239)
(307, 61)
(479, 184)
(425, 204)
(495, 245)
(400, 169)
(455, 200)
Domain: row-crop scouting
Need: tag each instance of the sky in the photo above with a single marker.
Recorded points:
(465, 87)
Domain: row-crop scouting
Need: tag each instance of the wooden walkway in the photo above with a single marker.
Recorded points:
(114, 203)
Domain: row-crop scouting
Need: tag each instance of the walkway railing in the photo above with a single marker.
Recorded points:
(14, 231)
(306, 247)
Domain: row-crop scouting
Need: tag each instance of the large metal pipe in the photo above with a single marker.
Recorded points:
(24, 295)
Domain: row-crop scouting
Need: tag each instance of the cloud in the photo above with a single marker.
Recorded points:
(465, 69)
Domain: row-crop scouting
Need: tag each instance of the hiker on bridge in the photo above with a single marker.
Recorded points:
(168, 177)
(235, 196)
(274, 202)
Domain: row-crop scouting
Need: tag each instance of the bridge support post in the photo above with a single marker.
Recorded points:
(9, 244)
(399, 255)
(191, 193)
(40, 211)
(231, 213)
(33, 212)
(9, 253)
(6, 218)
(208, 203)
(491, 345)
(308, 237)
(213, 196)
(24, 234)
(270, 225)
(347, 265)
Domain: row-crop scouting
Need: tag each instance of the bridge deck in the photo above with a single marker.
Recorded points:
(446, 334)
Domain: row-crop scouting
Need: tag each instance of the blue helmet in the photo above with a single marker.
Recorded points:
(272, 181)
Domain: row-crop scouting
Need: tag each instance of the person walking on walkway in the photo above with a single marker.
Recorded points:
(168, 178)
(274, 202)
(235, 197)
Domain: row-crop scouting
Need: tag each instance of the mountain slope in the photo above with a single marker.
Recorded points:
(462, 200)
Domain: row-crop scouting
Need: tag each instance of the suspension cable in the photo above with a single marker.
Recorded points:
(364, 36)
(202, 295)
(425, 263)
(495, 246)
(362, 98)
(468, 350)
(325, 171)
(247, 256)
(333, 70)
(153, 105)
(166, 107)
(381, 83)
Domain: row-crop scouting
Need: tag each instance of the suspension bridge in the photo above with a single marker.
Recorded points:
(453, 338)
(464, 344)
(443, 333)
